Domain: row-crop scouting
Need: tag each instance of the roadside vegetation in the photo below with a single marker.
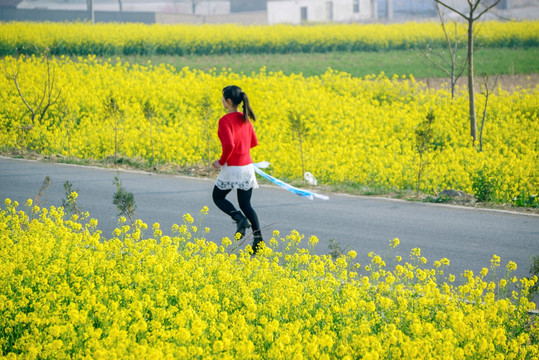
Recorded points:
(105, 122)
(356, 132)
(69, 292)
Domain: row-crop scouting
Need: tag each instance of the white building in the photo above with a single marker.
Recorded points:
(302, 11)
(197, 7)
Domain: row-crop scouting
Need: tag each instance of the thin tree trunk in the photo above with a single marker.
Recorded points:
(471, 92)
(151, 139)
(419, 173)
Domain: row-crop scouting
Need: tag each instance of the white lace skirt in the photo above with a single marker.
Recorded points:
(236, 177)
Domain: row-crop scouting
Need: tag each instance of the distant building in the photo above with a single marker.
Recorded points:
(247, 5)
(9, 3)
(407, 8)
(316, 11)
(197, 7)
(249, 12)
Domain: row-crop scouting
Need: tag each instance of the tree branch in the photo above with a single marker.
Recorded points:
(452, 9)
(464, 66)
(456, 40)
(437, 64)
(442, 21)
(487, 8)
(14, 77)
(45, 90)
(473, 6)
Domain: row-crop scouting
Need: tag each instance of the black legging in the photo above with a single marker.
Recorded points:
(244, 201)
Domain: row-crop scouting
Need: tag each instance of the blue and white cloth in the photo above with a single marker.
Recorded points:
(301, 192)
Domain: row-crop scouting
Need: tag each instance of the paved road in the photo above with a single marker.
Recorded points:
(467, 237)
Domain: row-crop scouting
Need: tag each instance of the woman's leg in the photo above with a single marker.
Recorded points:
(244, 200)
(219, 198)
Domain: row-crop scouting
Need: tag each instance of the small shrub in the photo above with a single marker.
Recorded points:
(70, 202)
(124, 200)
(484, 186)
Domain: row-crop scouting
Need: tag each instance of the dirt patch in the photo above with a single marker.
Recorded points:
(506, 82)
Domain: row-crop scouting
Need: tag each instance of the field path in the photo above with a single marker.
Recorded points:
(467, 237)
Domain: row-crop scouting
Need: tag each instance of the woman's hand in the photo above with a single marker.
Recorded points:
(216, 164)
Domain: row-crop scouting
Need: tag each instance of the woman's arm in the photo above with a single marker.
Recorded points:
(227, 140)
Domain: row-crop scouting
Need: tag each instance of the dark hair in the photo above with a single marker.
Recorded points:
(237, 96)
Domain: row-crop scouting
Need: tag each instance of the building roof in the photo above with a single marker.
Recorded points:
(9, 3)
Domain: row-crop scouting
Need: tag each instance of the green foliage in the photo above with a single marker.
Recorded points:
(70, 202)
(484, 186)
(424, 134)
(124, 200)
(438, 199)
(423, 143)
(534, 271)
(336, 249)
(526, 200)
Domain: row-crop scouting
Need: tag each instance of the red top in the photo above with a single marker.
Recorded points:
(237, 138)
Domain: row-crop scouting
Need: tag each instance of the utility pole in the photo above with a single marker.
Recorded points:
(90, 8)
(374, 9)
(390, 12)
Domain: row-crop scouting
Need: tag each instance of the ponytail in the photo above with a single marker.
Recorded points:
(237, 96)
(247, 110)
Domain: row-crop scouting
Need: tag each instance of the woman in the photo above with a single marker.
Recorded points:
(237, 170)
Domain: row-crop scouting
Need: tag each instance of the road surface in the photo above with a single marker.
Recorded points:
(467, 237)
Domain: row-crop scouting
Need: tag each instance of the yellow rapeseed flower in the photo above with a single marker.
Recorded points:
(511, 266)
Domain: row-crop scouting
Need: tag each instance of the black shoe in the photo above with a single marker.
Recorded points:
(257, 243)
(241, 222)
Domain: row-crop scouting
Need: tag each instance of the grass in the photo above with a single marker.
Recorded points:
(501, 61)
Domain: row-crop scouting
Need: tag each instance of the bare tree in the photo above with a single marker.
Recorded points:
(149, 114)
(300, 131)
(474, 13)
(37, 107)
(488, 87)
(448, 66)
(116, 115)
(46, 183)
